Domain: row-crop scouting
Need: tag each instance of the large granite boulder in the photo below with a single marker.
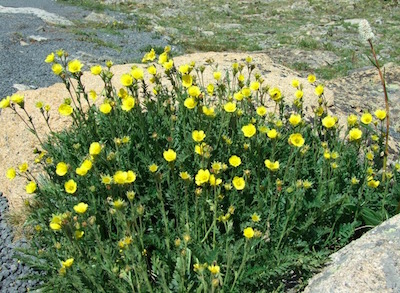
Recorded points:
(368, 264)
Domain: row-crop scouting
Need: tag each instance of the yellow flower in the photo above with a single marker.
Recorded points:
(210, 89)
(202, 176)
(366, 118)
(369, 156)
(216, 167)
(217, 75)
(169, 155)
(194, 91)
(295, 83)
(150, 56)
(168, 65)
(93, 95)
(49, 58)
(235, 161)
(380, 114)
(118, 204)
(373, 183)
(352, 119)
(263, 129)
(249, 130)
(68, 263)
(254, 86)
(128, 103)
(163, 58)
(355, 134)
(214, 269)
(296, 139)
(152, 70)
(275, 94)
(184, 175)
(311, 78)
(208, 111)
(11, 173)
(329, 121)
(5, 103)
(65, 110)
(238, 96)
(248, 233)
(31, 187)
(307, 184)
(137, 73)
(70, 186)
(190, 103)
(295, 119)
(261, 111)
(255, 218)
(81, 171)
(273, 166)
(184, 69)
(74, 66)
(126, 80)
(354, 181)
(214, 181)
(298, 94)
(327, 155)
(106, 179)
(95, 148)
(230, 107)
(249, 59)
(198, 135)
(23, 167)
(56, 222)
(238, 183)
(187, 80)
(79, 234)
(130, 176)
(272, 133)
(80, 208)
(57, 69)
(319, 90)
(18, 99)
(246, 92)
(105, 108)
(95, 70)
(153, 168)
(120, 177)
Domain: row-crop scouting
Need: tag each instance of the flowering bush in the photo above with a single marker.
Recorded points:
(185, 186)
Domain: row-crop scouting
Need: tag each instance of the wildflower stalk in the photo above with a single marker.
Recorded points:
(32, 128)
(164, 215)
(382, 78)
(241, 267)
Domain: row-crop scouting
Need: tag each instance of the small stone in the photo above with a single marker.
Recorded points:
(34, 38)
(21, 87)
(99, 18)
(207, 33)
(22, 43)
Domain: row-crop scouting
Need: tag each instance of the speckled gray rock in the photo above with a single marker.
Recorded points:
(368, 264)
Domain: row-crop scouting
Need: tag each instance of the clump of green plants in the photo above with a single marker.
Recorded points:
(171, 184)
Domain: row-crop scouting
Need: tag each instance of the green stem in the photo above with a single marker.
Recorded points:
(387, 111)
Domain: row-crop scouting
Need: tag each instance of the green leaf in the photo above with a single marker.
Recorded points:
(371, 217)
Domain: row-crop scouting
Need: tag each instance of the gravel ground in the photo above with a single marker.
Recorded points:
(22, 58)
(22, 62)
(10, 268)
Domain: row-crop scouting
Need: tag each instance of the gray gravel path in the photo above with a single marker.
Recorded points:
(22, 62)
(22, 58)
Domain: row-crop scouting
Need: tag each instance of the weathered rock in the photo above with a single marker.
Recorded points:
(368, 264)
(99, 18)
(44, 15)
(37, 38)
